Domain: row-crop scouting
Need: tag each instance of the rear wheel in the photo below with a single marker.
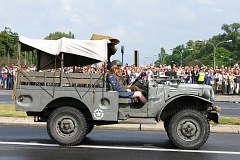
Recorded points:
(67, 126)
(188, 129)
(90, 128)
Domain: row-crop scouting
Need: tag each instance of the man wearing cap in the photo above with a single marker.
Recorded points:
(119, 75)
(124, 93)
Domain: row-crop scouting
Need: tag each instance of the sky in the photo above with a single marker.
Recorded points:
(143, 25)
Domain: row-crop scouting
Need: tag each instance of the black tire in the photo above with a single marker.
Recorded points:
(166, 123)
(188, 129)
(90, 128)
(67, 126)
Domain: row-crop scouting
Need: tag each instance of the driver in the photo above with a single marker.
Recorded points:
(120, 78)
(125, 93)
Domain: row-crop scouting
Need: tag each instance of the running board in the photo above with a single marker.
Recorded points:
(138, 121)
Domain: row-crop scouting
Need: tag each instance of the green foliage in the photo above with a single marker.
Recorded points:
(3, 63)
(207, 60)
(169, 61)
(8, 43)
(226, 54)
(59, 35)
(161, 57)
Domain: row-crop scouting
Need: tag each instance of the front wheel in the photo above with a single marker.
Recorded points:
(188, 129)
(67, 126)
(166, 123)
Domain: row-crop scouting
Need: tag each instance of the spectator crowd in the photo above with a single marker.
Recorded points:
(224, 80)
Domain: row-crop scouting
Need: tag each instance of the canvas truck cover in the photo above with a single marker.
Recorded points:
(76, 52)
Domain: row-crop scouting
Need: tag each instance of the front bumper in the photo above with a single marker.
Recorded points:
(214, 116)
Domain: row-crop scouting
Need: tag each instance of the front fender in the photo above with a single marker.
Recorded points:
(183, 101)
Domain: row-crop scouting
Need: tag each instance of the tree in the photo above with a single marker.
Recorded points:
(204, 52)
(233, 32)
(162, 55)
(59, 35)
(8, 43)
(235, 27)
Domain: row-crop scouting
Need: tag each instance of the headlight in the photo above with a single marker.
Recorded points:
(206, 94)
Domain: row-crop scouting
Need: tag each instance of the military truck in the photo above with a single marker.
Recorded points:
(73, 103)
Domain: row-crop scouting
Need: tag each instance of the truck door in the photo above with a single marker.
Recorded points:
(105, 106)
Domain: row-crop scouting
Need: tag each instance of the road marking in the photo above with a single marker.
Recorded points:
(123, 148)
(29, 144)
(6, 102)
(3, 102)
(158, 149)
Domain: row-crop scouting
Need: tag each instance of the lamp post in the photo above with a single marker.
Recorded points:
(143, 61)
(151, 58)
(8, 56)
(181, 52)
(15, 35)
(201, 64)
(174, 63)
(9, 53)
(215, 49)
(229, 60)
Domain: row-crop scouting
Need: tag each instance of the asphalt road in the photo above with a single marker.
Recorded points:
(34, 143)
(229, 109)
(6, 99)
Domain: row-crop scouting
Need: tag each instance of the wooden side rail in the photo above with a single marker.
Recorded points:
(47, 78)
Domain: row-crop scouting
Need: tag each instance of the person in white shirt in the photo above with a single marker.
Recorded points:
(149, 74)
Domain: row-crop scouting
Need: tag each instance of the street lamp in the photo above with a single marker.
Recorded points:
(201, 64)
(9, 52)
(215, 49)
(15, 35)
(229, 59)
(151, 58)
(173, 62)
(181, 52)
(8, 55)
(143, 61)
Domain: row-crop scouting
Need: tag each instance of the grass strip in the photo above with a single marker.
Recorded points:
(230, 120)
(7, 110)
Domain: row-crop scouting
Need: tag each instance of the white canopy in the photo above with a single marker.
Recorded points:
(76, 52)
